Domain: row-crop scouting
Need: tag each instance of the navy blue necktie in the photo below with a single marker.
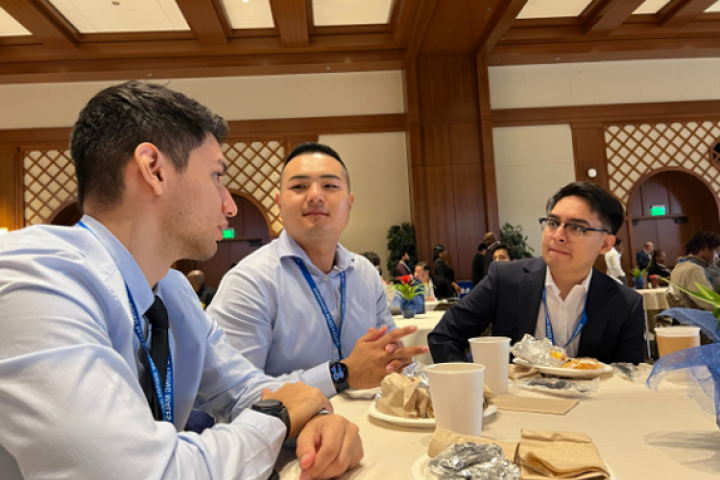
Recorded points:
(157, 316)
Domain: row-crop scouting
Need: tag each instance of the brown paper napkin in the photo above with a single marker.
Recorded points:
(443, 437)
(567, 455)
(516, 371)
(401, 397)
(555, 406)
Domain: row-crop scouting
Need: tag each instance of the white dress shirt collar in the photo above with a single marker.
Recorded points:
(130, 271)
(288, 247)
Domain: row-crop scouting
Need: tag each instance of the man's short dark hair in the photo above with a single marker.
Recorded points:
(482, 247)
(701, 241)
(608, 208)
(424, 266)
(315, 147)
(501, 246)
(121, 117)
(373, 257)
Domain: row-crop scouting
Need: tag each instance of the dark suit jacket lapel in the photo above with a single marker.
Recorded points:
(599, 311)
(530, 296)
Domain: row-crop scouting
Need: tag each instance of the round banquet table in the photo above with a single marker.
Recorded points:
(641, 434)
(426, 323)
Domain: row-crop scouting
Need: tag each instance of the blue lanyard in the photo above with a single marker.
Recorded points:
(334, 330)
(548, 324)
(166, 398)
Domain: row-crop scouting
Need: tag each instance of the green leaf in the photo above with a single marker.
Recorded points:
(709, 294)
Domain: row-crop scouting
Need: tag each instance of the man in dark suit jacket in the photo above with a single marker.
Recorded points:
(478, 264)
(643, 256)
(402, 267)
(582, 219)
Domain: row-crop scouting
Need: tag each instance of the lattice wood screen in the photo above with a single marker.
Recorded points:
(49, 180)
(254, 169)
(635, 150)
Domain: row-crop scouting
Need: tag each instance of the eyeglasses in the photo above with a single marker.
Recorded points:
(572, 229)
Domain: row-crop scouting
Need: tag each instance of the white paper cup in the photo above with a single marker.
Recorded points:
(673, 339)
(456, 390)
(494, 353)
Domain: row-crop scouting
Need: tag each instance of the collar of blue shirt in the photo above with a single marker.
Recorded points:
(289, 248)
(129, 269)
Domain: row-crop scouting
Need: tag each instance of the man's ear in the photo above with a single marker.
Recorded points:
(608, 243)
(153, 167)
(277, 200)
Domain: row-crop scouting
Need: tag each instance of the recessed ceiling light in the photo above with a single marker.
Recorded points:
(246, 1)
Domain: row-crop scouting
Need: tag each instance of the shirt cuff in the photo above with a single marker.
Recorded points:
(272, 428)
(319, 377)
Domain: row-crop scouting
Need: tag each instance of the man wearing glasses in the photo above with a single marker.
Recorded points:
(559, 296)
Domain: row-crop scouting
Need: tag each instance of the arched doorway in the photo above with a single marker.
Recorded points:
(689, 206)
(251, 233)
(66, 215)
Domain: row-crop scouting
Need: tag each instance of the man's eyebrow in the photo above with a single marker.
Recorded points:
(308, 177)
(224, 166)
(572, 220)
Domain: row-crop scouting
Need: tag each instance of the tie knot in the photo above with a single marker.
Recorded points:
(157, 314)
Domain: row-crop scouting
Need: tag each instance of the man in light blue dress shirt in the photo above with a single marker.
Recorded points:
(283, 307)
(149, 168)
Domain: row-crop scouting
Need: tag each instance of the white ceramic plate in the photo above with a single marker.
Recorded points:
(420, 470)
(567, 372)
(366, 394)
(416, 422)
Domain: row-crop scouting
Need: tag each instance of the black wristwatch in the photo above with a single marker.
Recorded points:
(339, 375)
(276, 409)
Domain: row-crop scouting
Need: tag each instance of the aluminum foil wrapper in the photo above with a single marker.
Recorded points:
(417, 369)
(539, 352)
(473, 461)
(559, 386)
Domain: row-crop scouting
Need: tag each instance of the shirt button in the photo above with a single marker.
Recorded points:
(332, 313)
(326, 279)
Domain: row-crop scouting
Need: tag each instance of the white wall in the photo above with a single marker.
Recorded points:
(43, 105)
(531, 164)
(637, 81)
(377, 164)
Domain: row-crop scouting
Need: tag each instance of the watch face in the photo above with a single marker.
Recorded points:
(338, 372)
(268, 404)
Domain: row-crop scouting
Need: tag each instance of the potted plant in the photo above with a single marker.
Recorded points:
(410, 292)
(638, 278)
(515, 240)
(401, 240)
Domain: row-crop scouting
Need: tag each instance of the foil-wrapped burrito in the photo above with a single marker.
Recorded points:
(474, 462)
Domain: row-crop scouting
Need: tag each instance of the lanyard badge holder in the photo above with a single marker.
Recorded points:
(165, 397)
(548, 324)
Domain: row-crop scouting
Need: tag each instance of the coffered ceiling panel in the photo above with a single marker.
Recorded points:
(9, 27)
(351, 12)
(249, 13)
(553, 8)
(714, 8)
(651, 6)
(95, 16)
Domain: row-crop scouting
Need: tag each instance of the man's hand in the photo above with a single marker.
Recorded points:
(328, 446)
(457, 288)
(378, 353)
(302, 403)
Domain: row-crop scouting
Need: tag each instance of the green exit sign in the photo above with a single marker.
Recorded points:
(228, 234)
(657, 210)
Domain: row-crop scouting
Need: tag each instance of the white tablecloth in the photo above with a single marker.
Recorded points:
(641, 434)
(654, 298)
(426, 323)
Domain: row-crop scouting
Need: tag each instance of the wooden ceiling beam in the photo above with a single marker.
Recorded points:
(609, 15)
(501, 22)
(291, 21)
(41, 24)
(423, 17)
(203, 20)
(165, 67)
(679, 14)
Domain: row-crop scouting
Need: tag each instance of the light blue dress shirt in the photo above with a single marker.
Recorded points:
(269, 313)
(70, 402)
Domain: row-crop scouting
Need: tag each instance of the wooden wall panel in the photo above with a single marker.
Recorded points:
(447, 164)
(8, 183)
(469, 220)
